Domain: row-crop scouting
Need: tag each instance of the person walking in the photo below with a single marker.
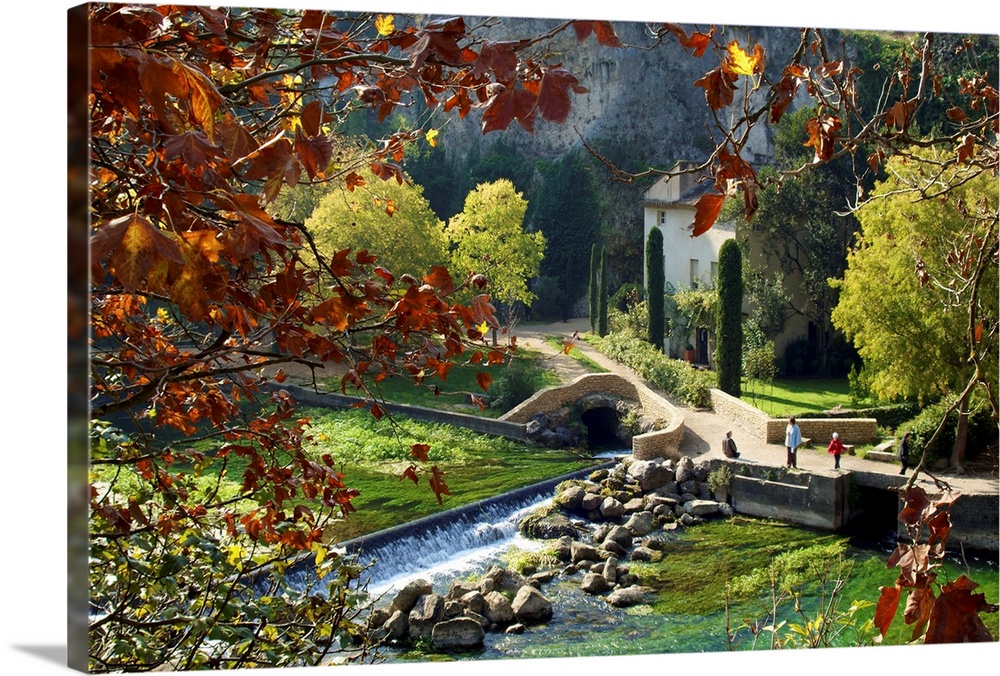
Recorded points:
(793, 438)
(904, 451)
(729, 446)
(836, 447)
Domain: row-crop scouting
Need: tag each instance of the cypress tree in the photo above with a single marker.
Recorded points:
(655, 287)
(728, 318)
(602, 309)
(594, 291)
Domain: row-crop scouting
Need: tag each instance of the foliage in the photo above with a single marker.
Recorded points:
(768, 302)
(919, 295)
(199, 117)
(566, 210)
(729, 318)
(655, 287)
(940, 611)
(626, 297)
(673, 376)
(602, 299)
(488, 238)
(720, 478)
(632, 321)
(926, 438)
(516, 382)
(390, 218)
(593, 289)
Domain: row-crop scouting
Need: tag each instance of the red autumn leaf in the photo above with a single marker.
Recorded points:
(377, 411)
(438, 485)
(956, 114)
(410, 473)
(353, 180)
(498, 58)
(440, 279)
(419, 451)
(280, 376)
(955, 615)
(918, 607)
(508, 105)
(719, 85)
(821, 130)
(312, 118)
(606, 36)
(885, 609)
(782, 95)
(553, 95)
(967, 148)
(478, 402)
(484, 379)
(706, 213)
(900, 114)
(697, 42)
(387, 170)
(915, 504)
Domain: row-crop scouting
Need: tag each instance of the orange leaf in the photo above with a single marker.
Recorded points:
(885, 609)
(719, 87)
(419, 451)
(410, 473)
(353, 181)
(706, 213)
(484, 379)
(967, 148)
(821, 136)
(738, 62)
(280, 376)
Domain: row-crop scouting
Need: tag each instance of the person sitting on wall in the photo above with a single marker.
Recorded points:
(729, 446)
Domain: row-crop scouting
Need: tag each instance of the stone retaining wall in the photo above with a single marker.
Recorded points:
(772, 430)
(661, 443)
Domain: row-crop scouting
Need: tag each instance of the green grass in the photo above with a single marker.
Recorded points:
(453, 393)
(786, 397)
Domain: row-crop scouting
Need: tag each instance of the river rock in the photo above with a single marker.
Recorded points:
(543, 576)
(504, 579)
(498, 609)
(620, 535)
(473, 602)
(406, 597)
(396, 627)
(594, 583)
(571, 498)
(561, 549)
(612, 548)
(459, 588)
(635, 505)
(701, 507)
(591, 502)
(630, 596)
(428, 611)
(462, 633)
(690, 520)
(701, 471)
(640, 523)
(546, 523)
(516, 628)
(645, 554)
(685, 470)
(612, 508)
(583, 552)
(610, 571)
(530, 606)
(650, 474)
(689, 487)
(453, 608)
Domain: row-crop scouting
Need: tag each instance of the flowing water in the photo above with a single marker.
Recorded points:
(689, 615)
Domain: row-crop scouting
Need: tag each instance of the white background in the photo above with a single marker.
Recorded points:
(33, 363)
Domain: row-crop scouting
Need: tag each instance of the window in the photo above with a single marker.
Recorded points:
(694, 273)
(661, 218)
(715, 271)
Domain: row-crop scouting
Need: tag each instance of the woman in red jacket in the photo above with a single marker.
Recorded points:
(835, 447)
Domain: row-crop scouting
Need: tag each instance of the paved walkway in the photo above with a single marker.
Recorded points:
(706, 429)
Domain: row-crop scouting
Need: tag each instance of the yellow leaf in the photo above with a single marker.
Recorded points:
(320, 552)
(483, 328)
(738, 62)
(384, 24)
(432, 137)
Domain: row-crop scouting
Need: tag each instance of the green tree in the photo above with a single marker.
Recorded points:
(594, 289)
(728, 318)
(388, 218)
(655, 287)
(898, 301)
(602, 304)
(488, 238)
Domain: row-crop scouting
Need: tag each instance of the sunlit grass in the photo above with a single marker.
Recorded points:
(787, 397)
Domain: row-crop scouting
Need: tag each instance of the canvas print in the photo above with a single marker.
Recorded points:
(413, 337)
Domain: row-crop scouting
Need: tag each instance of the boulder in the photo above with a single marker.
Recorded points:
(504, 579)
(406, 597)
(396, 627)
(635, 505)
(640, 523)
(594, 583)
(630, 596)
(591, 502)
(689, 487)
(612, 548)
(428, 611)
(610, 571)
(581, 552)
(685, 470)
(645, 554)
(462, 633)
(650, 474)
(530, 606)
(473, 602)
(453, 608)
(546, 523)
(571, 498)
(701, 507)
(516, 628)
(701, 471)
(612, 508)
(561, 549)
(459, 588)
(498, 609)
(620, 535)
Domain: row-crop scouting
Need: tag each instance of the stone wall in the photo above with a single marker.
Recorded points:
(772, 430)
(663, 442)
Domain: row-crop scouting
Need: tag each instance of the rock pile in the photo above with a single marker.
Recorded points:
(596, 526)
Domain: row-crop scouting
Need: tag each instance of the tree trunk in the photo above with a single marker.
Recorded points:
(961, 436)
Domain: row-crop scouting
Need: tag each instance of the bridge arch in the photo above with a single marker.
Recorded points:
(615, 396)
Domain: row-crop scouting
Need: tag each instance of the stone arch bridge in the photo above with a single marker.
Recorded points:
(601, 400)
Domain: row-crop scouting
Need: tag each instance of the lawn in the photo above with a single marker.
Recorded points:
(575, 353)
(453, 393)
(786, 397)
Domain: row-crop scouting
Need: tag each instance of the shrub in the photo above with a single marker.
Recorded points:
(673, 376)
(981, 432)
(626, 297)
(516, 382)
(728, 318)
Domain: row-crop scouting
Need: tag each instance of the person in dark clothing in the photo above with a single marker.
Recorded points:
(729, 446)
(904, 452)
